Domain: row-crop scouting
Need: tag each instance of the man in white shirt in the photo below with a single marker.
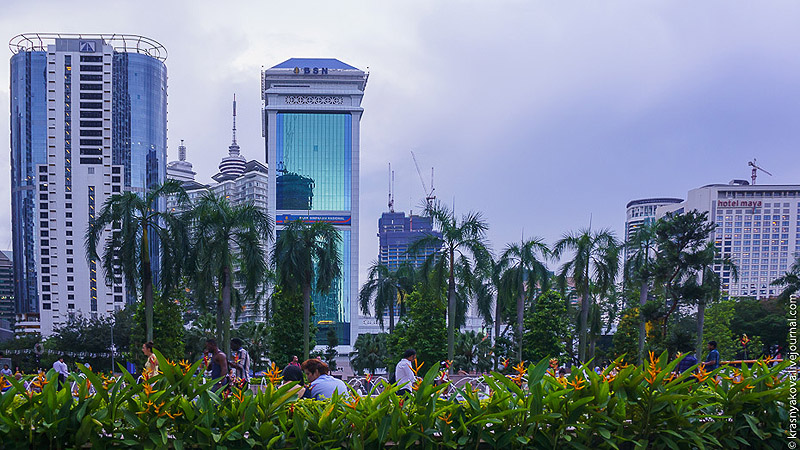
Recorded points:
(404, 374)
(61, 369)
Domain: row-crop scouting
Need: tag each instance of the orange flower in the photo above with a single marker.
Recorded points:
(701, 374)
(147, 389)
(354, 403)
(173, 416)
(417, 366)
(578, 383)
(274, 374)
(447, 418)
(520, 369)
(553, 363)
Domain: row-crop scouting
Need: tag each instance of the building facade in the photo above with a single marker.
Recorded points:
(758, 227)
(312, 113)
(88, 120)
(642, 212)
(396, 233)
(6, 289)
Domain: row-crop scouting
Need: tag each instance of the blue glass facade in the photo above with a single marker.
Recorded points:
(314, 156)
(314, 152)
(28, 150)
(139, 137)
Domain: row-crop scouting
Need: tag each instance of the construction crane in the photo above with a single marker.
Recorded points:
(429, 197)
(391, 189)
(756, 168)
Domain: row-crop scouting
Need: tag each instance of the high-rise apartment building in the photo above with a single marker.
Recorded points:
(6, 289)
(758, 227)
(88, 120)
(643, 212)
(312, 114)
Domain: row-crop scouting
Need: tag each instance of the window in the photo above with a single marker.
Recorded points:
(91, 96)
(68, 205)
(46, 306)
(70, 288)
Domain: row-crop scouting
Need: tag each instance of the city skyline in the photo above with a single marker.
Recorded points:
(625, 101)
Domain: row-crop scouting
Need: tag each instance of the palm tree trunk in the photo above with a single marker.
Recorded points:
(451, 312)
(218, 333)
(520, 318)
(147, 285)
(306, 320)
(701, 319)
(584, 327)
(226, 311)
(643, 291)
(496, 331)
(570, 342)
(391, 317)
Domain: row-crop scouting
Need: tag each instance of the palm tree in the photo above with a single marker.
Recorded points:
(595, 261)
(135, 223)
(307, 256)
(459, 240)
(381, 289)
(709, 287)
(523, 271)
(370, 352)
(791, 281)
(229, 242)
(641, 267)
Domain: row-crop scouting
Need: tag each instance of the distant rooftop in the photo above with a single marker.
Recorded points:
(327, 63)
(125, 43)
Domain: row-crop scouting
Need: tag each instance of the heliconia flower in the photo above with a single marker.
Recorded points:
(553, 363)
(417, 366)
(520, 368)
(578, 383)
(447, 418)
(147, 389)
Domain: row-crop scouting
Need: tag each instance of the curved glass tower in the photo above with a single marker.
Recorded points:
(88, 120)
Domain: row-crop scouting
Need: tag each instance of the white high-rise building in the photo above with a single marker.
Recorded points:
(758, 227)
(312, 116)
(88, 120)
(642, 212)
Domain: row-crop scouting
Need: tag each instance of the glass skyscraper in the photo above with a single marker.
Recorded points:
(88, 120)
(312, 111)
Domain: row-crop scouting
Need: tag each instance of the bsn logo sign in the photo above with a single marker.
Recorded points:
(86, 46)
(311, 70)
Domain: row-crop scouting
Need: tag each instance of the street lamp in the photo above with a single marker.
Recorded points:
(113, 348)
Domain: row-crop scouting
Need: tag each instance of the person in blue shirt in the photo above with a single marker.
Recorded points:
(322, 386)
(687, 362)
(712, 360)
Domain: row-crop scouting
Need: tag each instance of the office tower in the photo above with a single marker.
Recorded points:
(312, 114)
(396, 233)
(642, 212)
(758, 227)
(88, 120)
(6, 289)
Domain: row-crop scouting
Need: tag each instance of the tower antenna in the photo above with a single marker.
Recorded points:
(391, 189)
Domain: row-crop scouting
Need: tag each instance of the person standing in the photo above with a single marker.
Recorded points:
(61, 369)
(151, 366)
(321, 385)
(404, 374)
(241, 360)
(218, 364)
(712, 360)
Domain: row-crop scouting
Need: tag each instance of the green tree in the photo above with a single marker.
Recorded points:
(546, 328)
(790, 282)
(381, 291)
(286, 334)
(423, 329)
(640, 267)
(717, 327)
(523, 271)
(473, 352)
(228, 243)
(369, 353)
(682, 245)
(307, 257)
(627, 336)
(255, 337)
(137, 221)
(93, 337)
(595, 262)
(330, 350)
(460, 240)
(762, 319)
(204, 327)
(168, 327)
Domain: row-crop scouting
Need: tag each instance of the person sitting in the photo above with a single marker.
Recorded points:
(687, 363)
(322, 385)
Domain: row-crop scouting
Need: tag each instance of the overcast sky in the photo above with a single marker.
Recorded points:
(541, 114)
